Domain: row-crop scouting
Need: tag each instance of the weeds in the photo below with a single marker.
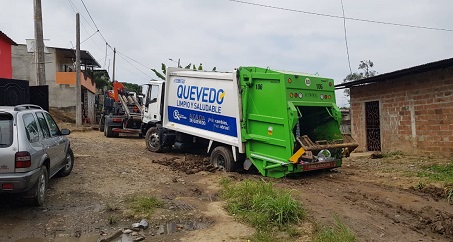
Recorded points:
(261, 205)
(438, 172)
(264, 207)
(393, 154)
(340, 233)
(144, 205)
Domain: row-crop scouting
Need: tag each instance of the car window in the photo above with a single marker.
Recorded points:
(31, 127)
(6, 130)
(43, 123)
(54, 130)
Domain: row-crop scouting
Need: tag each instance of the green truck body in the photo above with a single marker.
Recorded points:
(278, 107)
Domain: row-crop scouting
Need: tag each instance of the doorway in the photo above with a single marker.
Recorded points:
(372, 125)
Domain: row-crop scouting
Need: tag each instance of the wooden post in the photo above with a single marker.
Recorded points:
(78, 87)
(114, 55)
(39, 45)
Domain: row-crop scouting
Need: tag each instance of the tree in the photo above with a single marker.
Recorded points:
(366, 72)
(132, 87)
(189, 66)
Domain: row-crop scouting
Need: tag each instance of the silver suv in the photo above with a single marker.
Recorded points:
(32, 149)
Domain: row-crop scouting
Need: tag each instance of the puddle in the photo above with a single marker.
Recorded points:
(163, 229)
(83, 238)
(174, 227)
(120, 238)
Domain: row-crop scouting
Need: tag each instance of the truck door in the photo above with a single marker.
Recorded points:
(153, 103)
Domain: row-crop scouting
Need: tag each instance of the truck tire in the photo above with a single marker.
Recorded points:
(153, 140)
(108, 131)
(222, 157)
(66, 170)
(40, 188)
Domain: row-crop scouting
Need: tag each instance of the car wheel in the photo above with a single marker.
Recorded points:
(41, 188)
(69, 164)
(222, 157)
(153, 140)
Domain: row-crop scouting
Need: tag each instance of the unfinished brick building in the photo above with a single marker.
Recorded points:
(409, 110)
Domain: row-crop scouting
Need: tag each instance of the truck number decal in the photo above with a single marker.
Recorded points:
(259, 86)
(319, 86)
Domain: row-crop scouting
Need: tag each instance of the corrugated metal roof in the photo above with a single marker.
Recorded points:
(85, 57)
(8, 39)
(400, 73)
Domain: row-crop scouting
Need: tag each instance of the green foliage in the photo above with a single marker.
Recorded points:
(340, 233)
(258, 203)
(144, 205)
(438, 172)
(132, 87)
(158, 74)
(164, 69)
(366, 71)
(101, 78)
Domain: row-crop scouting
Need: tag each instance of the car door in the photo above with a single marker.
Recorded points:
(36, 140)
(60, 140)
(50, 146)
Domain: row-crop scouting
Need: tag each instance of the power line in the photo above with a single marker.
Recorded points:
(76, 10)
(97, 30)
(134, 60)
(93, 21)
(340, 17)
(346, 37)
(121, 55)
(89, 37)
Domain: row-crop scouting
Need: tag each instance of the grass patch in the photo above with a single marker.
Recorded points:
(339, 233)
(438, 172)
(144, 205)
(267, 209)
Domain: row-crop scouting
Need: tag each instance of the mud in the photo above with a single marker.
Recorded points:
(188, 163)
(375, 198)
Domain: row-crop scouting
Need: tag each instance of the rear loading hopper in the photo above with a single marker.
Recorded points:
(290, 122)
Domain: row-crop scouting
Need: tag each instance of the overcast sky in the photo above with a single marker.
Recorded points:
(228, 34)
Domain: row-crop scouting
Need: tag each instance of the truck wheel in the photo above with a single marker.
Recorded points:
(66, 170)
(108, 131)
(101, 126)
(153, 140)
(40, 188)
(222, 157)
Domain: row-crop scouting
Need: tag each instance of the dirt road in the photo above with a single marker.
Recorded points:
(371, 196)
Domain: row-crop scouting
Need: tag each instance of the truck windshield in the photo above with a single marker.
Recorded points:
(6, 130)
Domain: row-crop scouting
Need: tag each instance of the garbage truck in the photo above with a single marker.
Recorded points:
(121, 112)
(277, 121)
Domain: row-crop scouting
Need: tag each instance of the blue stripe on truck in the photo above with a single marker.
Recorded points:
(206, 121)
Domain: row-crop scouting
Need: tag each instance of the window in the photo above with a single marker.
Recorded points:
(31, 127)
(54, 130)
(43, 123)
(6, 130)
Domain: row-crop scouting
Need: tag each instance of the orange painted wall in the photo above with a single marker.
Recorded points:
(69, 78)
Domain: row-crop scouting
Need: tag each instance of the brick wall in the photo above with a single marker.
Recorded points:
(416, 113)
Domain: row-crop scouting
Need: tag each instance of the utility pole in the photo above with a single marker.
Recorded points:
(114, 55)
(78, 87)
(39, 45)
